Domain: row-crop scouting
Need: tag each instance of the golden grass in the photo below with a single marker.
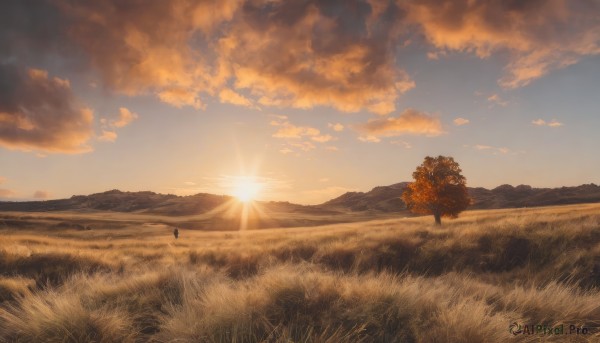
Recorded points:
(391, 280)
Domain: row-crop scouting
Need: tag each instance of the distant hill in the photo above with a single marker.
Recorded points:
(148, 202)
(387, 198)
(384, 199)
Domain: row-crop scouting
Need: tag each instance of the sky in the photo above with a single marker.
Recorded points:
(308, 99)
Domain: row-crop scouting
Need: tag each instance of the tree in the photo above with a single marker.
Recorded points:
(439, 189)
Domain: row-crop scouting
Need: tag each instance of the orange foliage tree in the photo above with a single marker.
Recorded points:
(438, 189)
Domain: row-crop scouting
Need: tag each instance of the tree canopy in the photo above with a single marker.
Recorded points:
(439, 189)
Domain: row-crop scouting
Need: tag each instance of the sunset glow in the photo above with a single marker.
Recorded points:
(246, 189)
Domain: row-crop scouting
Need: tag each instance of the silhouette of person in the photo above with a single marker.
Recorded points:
(176, 233)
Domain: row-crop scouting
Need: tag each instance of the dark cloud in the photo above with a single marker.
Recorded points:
(38, 112)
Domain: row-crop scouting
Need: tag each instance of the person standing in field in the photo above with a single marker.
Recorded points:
(176, 233)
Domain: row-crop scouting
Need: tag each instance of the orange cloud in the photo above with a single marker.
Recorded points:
(322, 138)
(552, 123)
(108, 136)
(228, 96)
(287, 130)
(124, 119)
(408, 122)
(336, 127)
(180, 97)
(283, 53)
(495, 99)
(289, 53)
(369, 139)
(41, 113)
(461, 121)
(541, 35)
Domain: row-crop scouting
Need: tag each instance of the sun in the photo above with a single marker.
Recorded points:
(246, 189)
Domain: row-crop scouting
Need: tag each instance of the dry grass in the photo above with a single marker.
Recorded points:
(392, 280)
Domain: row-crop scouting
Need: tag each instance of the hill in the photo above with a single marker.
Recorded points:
(382, 199)
(387, 198)
(143, 202)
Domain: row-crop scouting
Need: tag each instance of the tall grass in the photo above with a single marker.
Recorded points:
(401, 280)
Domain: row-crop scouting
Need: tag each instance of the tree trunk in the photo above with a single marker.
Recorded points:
(438, 218)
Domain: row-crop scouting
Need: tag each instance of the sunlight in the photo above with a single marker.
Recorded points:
(246, 189)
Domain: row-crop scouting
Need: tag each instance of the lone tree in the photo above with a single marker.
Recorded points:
(439, 189)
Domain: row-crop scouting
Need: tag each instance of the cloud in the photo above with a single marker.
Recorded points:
(108, 136)
(494, 150)
(180, 97)
(2, 180)
(337, 127)
(552, 123)
(286, 151)
(38, 112)
(6, 193)
(328, 53)
(300, 54)
(369, 139)
(324, 179)
(124, 119)
(229, 96)
(322, 138)
(410, 121)
(304, 146)
(406, 145)
(460, 121)
(41, 195)
(326, 56)
(290, 131)
(287, 130)
(332, 148)
(495, 99)
(540, 36)
(298, 137)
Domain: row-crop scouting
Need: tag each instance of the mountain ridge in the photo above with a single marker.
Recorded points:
(384, 199)
(387, 198)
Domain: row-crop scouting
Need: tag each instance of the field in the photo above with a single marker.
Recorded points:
(106, 277)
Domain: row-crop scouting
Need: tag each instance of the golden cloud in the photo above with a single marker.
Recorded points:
(298, 54)
(336, 127)
(229, 96)
(552, 123)
(108, 136)
(541, 35)
(125, 118)
(41, 113)
(179, 97)
(283, 53)
(410, 121)
(460, 121)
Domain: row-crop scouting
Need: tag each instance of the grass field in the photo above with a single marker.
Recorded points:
(389, 280)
